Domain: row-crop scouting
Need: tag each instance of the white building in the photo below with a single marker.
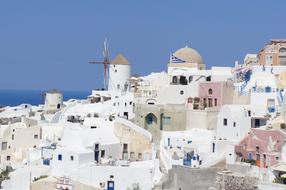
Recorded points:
(193, 148)
(233, 123)
(81, 145)
(53, 101)
(266, 94)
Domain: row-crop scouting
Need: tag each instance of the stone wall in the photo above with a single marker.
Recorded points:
(232, 181)
(186, 178)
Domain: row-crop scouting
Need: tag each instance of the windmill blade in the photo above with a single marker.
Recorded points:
(105, 50)
(96, 62)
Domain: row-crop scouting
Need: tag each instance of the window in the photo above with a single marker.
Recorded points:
(183, 80)
(175, 80)
(190, 79)
(208, 78)
(4, 146)
(36, 136)
(271, 105)
(60, 157)
(210, 91)
(249, 156)
(277, 157)
(125, 148)
(215, 102)
(268, 60)
(282, 50)
(13, 137)
(234, 124)
(264, 157)
(139, 156)
(93, 127)
(282, 56)
(244, 146)
(249, 113)
(205, 102)
(256, 122)
(225, 122)
(8, 158)
(282, 60)
(102, 153)
(118, 86)
(132, 155)
(72, 158)
(210, 100)
(181, 92)
(166, 120)
(257, 148)
(268, 89)
(116, 70)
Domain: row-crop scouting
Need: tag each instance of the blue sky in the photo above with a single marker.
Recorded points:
(47, 44)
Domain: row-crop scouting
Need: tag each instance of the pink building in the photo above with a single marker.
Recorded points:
(215, 94)
(263, 146)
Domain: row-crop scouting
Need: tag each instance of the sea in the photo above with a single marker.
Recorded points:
(34, 97)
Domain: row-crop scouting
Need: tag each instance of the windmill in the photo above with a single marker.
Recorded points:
(105, 62)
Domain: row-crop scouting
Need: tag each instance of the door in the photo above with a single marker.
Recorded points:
(125, 152)
(96, 152)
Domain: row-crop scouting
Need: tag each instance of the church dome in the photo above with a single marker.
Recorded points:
(189, 55)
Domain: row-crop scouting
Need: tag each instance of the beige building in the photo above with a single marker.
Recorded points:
(17, 139)
(136, 142)
(274, 53)
(156, 118)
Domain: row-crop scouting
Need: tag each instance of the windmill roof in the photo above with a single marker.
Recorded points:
(120, 60)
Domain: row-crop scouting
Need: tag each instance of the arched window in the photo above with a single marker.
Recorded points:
(175, 80)
(210, 91)
(282, 50)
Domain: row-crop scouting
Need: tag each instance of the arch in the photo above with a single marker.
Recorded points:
(282, 50)
(150, 120)
(151, 101)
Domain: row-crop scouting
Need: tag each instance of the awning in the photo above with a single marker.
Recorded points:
(279, 167)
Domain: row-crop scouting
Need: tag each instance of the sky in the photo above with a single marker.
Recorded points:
(47, 44)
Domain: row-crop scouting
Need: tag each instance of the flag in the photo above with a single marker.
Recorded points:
(174, 59)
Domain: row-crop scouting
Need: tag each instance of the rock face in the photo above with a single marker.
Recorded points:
(230, 181)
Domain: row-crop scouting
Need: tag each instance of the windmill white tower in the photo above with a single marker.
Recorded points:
(119, 74)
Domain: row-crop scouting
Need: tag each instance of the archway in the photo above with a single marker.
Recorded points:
(150, 121)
